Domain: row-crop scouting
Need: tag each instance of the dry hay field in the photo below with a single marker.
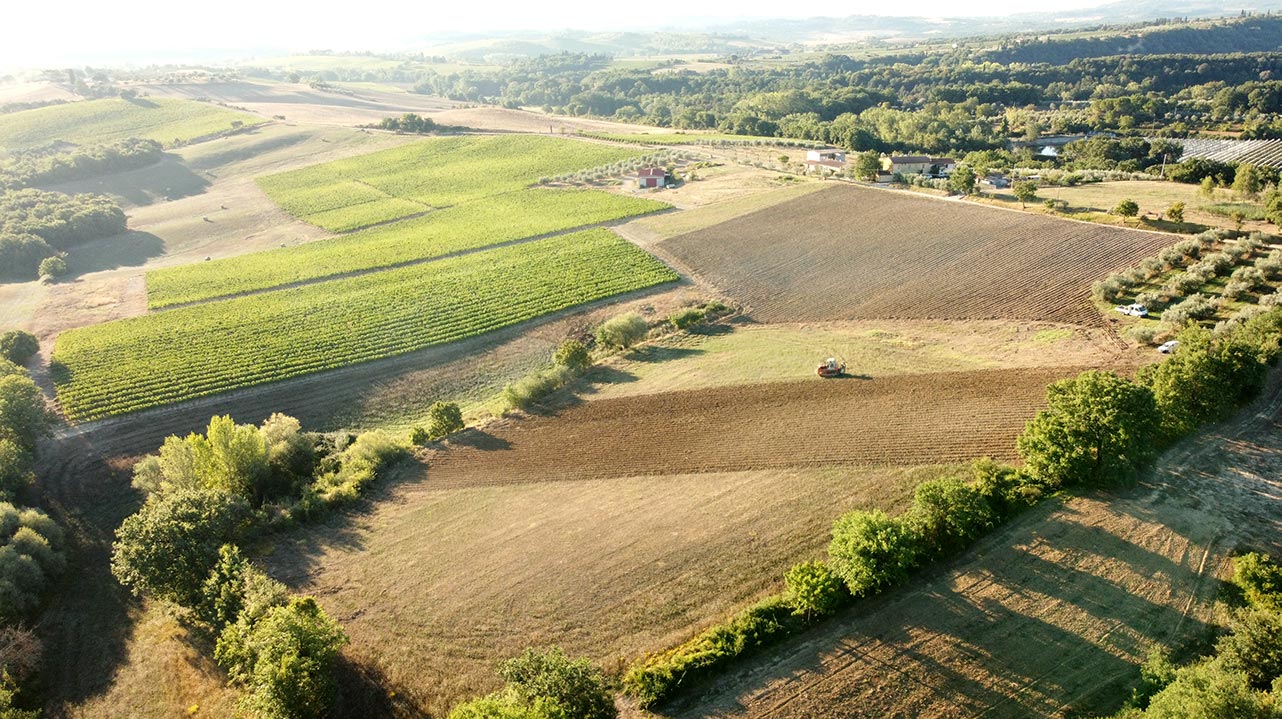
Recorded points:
(856, 420)
(437, 583)
(299, 103)
(859, 253)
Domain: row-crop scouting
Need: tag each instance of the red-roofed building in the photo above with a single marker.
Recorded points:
(651, 177)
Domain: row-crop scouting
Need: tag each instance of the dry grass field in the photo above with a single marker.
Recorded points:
(437, 582)
(299, 103)
(857, 253)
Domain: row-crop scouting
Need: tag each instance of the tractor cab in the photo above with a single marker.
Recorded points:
(831, 368)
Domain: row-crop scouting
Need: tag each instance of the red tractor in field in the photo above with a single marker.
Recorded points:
(831, 368)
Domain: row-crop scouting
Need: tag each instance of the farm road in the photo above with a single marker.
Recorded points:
(1048, 615)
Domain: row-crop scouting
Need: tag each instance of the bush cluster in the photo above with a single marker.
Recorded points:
(689, 317)
(31, 554)
(544, 685)
(622, 332)
(443, 419)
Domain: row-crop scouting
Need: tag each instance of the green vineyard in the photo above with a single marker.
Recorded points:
(133, 364)
(437, 172)
(513, 216)
(103, 121)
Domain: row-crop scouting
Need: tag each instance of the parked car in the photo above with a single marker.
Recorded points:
(1133, 310)
(1168, 347)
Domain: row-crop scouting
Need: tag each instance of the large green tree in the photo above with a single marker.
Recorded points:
(1097, 429)
(871, 551)
(1205, 380)
(168, 548)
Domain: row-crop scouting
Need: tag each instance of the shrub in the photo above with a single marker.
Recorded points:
(18, 347)
(51, 267)
(947, 515)
(1097, 429)
(1270, 265)
(418, 436)
(574, 686)
(1205, 381)
(687, 318)
(656, 677)
(871, 551)
(1126, 208)
(1005, 489)
(358, 465)
(1143, 334)
(284, 660)
(1252, 277)
(1260, 580)
(622, 332)
(168, 547)
(1253, 646)
(812, 589)
(223, 593)
(1219, 262)
(1152, 300)
(1184, 283)
(572, 355)
(528, 390)
(30, 556)
(1207, 689)
(1194, 307)
(15, 468)
(1111, 288)
(1271, 300)
(443, 418)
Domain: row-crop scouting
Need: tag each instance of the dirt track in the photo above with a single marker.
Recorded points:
(903, 420)
(858, 253)
(1050, 616)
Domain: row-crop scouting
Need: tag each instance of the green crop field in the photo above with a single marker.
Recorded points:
(98, 121)
(516, 215)
(436, 172)
(132, 364)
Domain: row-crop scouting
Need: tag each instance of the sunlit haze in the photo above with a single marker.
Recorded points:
(38, 34)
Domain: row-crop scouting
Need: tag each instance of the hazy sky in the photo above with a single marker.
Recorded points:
(43, 32)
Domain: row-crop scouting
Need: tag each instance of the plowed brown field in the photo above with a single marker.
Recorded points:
(850, 253)
(905, 420)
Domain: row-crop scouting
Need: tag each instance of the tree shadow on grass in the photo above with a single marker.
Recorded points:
(998, 627)
(131, 249)
(365, 691)
(168, 179)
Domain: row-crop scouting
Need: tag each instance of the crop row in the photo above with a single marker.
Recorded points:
(516, 215)
(436, 172)
(143, 362)
(112, 119)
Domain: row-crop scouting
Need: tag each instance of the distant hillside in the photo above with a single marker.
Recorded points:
(1252, 34)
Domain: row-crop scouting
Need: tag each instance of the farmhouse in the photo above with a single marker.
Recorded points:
(907, 164)
(650, 177)
(943, 166)
(829, 154)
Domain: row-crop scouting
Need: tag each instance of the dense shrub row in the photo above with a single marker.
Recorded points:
(544, 685)
(24, 168)
(1098, 430)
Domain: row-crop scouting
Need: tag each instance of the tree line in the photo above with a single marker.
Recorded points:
(53, 164)
(36, 227)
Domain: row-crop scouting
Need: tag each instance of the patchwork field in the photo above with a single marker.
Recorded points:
(439, 172)
(504, 218)
(108, 120)
(856, 253)
(196, 351)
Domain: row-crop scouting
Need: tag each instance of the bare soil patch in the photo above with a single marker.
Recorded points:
(1048, 617)
(302, 104)
(860, 253)
(904, 420)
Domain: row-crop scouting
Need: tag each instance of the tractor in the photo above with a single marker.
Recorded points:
(831, 368)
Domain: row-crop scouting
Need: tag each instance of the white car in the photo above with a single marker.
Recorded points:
(1168, 347)
(1132, 310)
